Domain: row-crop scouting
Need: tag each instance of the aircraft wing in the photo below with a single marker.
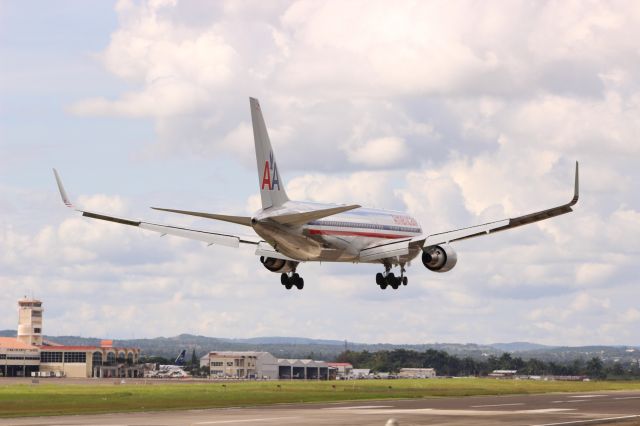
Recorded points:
(402, 246)
(223, 239)
(502, 225)
(394, 248)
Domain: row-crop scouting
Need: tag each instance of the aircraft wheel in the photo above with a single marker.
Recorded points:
(288, 285)
(379, 278)
(405, 280)
(395, 283)
(383, 286)
(300, 283)
(390, 278)
(284, 279)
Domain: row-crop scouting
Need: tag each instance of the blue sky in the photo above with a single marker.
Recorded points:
(458, 114)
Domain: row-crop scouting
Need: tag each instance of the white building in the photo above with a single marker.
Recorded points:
(343, 369)
(360, 373)
(417, 373)
(503, 373)
(241, 365)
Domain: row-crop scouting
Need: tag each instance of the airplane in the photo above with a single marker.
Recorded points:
(293, 232)
(181, 357)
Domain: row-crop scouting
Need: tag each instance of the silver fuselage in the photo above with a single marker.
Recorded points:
(337, 238)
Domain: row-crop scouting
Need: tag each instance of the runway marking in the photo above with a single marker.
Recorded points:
(264, 419)
(587, 396)
(569, 402)
(588, 421)
(497, 405)
(358, 406)
(453, 412)
(628, 397)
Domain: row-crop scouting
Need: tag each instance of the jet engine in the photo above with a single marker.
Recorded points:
(439, 258)
(278, 265)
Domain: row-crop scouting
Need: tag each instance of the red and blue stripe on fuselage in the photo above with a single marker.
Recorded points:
(365, 223)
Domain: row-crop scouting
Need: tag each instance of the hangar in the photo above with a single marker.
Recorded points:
(306, 369)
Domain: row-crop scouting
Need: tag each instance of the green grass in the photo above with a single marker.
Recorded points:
(18, 400)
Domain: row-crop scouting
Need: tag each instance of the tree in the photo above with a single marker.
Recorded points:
(194, 359)
(594, 368)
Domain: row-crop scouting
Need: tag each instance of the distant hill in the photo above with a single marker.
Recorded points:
(303, 347)
(282, 347)
(288, 341)
(519, 346)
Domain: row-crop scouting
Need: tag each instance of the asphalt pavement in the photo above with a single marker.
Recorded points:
(541, 410)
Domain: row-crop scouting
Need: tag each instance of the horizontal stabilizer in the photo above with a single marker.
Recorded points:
(296, 219)
(240, 220)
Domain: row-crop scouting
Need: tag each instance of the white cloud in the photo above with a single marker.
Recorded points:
(593, 272)
(457, 117)
(386, 151)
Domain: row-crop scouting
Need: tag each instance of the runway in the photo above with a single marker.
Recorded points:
(539, 410)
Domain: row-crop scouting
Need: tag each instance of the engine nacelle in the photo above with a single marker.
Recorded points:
(278, 265)
(439, 258)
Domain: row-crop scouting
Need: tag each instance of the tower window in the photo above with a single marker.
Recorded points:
(37, 330)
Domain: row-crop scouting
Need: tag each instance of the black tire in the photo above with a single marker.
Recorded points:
(379, 278)
(405, 280)
(395, 283)
(390, 278)
(383, 286)
(284, 279)
(288, 285)
(300, 283)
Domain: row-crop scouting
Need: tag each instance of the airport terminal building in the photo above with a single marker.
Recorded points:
(29, 355)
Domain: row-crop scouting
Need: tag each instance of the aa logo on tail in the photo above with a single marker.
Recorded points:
(270, 176)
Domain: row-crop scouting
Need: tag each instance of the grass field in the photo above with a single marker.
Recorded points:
(57, 399)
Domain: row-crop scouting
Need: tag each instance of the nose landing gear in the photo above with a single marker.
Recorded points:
(291, 280)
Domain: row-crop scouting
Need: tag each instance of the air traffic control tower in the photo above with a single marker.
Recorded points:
(30, 321)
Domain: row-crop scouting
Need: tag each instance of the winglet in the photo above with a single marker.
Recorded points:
(576, 190)
(63, 193)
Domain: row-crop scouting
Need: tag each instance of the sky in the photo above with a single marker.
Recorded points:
(458, 112)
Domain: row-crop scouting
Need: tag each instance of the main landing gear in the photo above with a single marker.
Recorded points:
(289, 281)
(388, 278)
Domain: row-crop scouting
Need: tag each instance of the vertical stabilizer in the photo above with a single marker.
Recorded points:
(270, 182)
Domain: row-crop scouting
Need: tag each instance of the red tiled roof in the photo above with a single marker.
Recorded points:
(13, 343)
